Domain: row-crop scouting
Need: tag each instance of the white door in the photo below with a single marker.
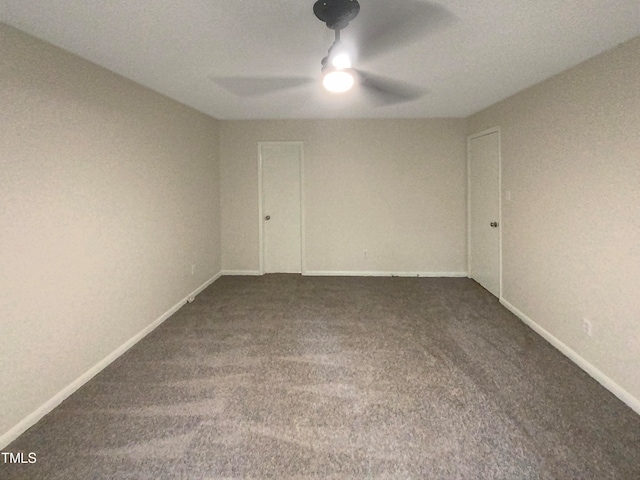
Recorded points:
(484, 209)
(280, 167)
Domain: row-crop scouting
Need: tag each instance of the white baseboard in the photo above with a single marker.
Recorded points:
(594, 372)
(350, 273)
(31, 419)
(323, 273)
(241, 272)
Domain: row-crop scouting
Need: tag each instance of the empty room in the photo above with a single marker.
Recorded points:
(320, 239)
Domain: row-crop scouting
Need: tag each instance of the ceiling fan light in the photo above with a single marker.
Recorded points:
(341, 61)
(338, 81)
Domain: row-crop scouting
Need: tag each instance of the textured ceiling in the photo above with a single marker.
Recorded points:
(466, 56)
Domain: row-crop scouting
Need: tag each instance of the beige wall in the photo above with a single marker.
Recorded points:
(109, 193)
(393, 187)
(571, 234)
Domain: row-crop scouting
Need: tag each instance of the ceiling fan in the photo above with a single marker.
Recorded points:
(338, 74)
(401, 23)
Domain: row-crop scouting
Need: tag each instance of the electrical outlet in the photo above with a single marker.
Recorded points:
(365, 253)
(587, 328)
(193, 269)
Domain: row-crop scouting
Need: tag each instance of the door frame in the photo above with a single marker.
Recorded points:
(300, 145)
(483, 133)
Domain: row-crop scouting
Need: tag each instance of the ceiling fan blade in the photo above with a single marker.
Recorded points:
(259, 86)
(386, 91)
(386, 26)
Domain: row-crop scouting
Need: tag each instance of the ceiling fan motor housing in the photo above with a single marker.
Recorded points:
(336, 13)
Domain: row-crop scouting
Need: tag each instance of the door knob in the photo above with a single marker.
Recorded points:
(268, 217)
(494, 224)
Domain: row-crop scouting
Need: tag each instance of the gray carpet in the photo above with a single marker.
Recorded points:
(284, 376)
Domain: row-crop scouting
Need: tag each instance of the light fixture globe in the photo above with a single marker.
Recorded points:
(338, 81)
